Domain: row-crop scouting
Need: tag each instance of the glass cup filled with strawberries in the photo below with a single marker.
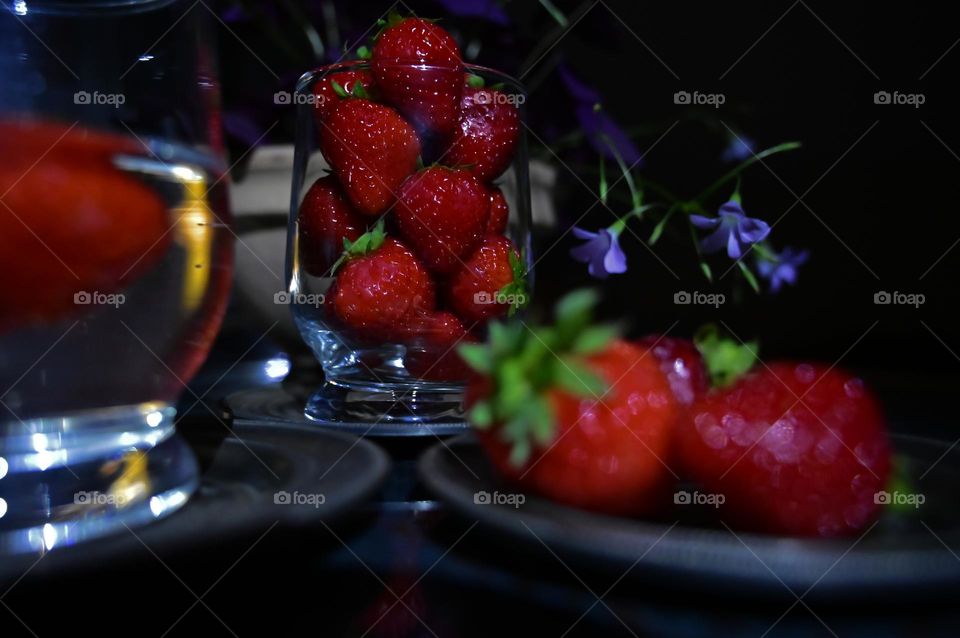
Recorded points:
(410, 224)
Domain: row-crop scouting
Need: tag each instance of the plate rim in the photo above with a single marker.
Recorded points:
(685, 556)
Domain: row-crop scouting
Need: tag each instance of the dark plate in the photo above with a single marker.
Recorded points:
(904, 553)
(285, 405)
(241, 475)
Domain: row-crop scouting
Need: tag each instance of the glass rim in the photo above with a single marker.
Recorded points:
(81, 8)
(351, 65)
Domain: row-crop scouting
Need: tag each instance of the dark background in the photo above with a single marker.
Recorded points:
(878, 214)
(889, 199)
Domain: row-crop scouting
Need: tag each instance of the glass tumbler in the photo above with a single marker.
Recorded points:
(116, 260)
(409, 233)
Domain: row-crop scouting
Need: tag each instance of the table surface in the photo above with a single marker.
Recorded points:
(402, 565)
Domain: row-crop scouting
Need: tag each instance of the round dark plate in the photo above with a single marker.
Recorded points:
(906, 552)
(252, 478)
(285, 405)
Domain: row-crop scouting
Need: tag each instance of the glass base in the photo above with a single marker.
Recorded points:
(341, 401)
(71, 478)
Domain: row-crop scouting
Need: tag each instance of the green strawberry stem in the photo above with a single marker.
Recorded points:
(362, 245)
(357, 91)
(516, 291)
(522, 363)
(726, 359)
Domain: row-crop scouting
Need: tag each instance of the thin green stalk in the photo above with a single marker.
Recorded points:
(554, 12)
(636, 195)
(734, 172)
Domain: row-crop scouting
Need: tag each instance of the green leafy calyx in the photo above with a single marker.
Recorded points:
(726, 359)
(516, 293)
(362, 245)
(522, 363)
(357, 90)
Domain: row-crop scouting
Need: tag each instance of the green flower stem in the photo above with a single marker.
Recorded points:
(604, 190)
(704, 266)
(617, 227)
(658, 229)
(765, 252)
(636, 195)
(779, 148)
(554, 12)
(660, 190)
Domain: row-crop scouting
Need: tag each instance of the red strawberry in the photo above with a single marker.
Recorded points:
(681, 363)
(489, 283)
(543, 426)
(70, 221)
(442, 214)
(419, 70)
(380, 287)
(488, 129)
(326, 218)
(499, 213)
(327, 97)
(795, 449)
(432, 354)
(371, 149)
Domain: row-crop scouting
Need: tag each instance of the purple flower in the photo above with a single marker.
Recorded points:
(599, 128)
(739, 149)
(601, 251)
(486, 9)
(734, 230)
(782, 269)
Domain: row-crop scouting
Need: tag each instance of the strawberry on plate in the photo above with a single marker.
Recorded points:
(442, 215)
(491, 282)
(371, 149)
(70, 221)
(499, 212)
(794, 448)
(418, 69)
(380, 287)
(681, 363)
(488, 128)
(325, 219)
(332, 88)
(573, 413)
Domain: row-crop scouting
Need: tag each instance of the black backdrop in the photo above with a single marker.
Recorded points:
(882, 179)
